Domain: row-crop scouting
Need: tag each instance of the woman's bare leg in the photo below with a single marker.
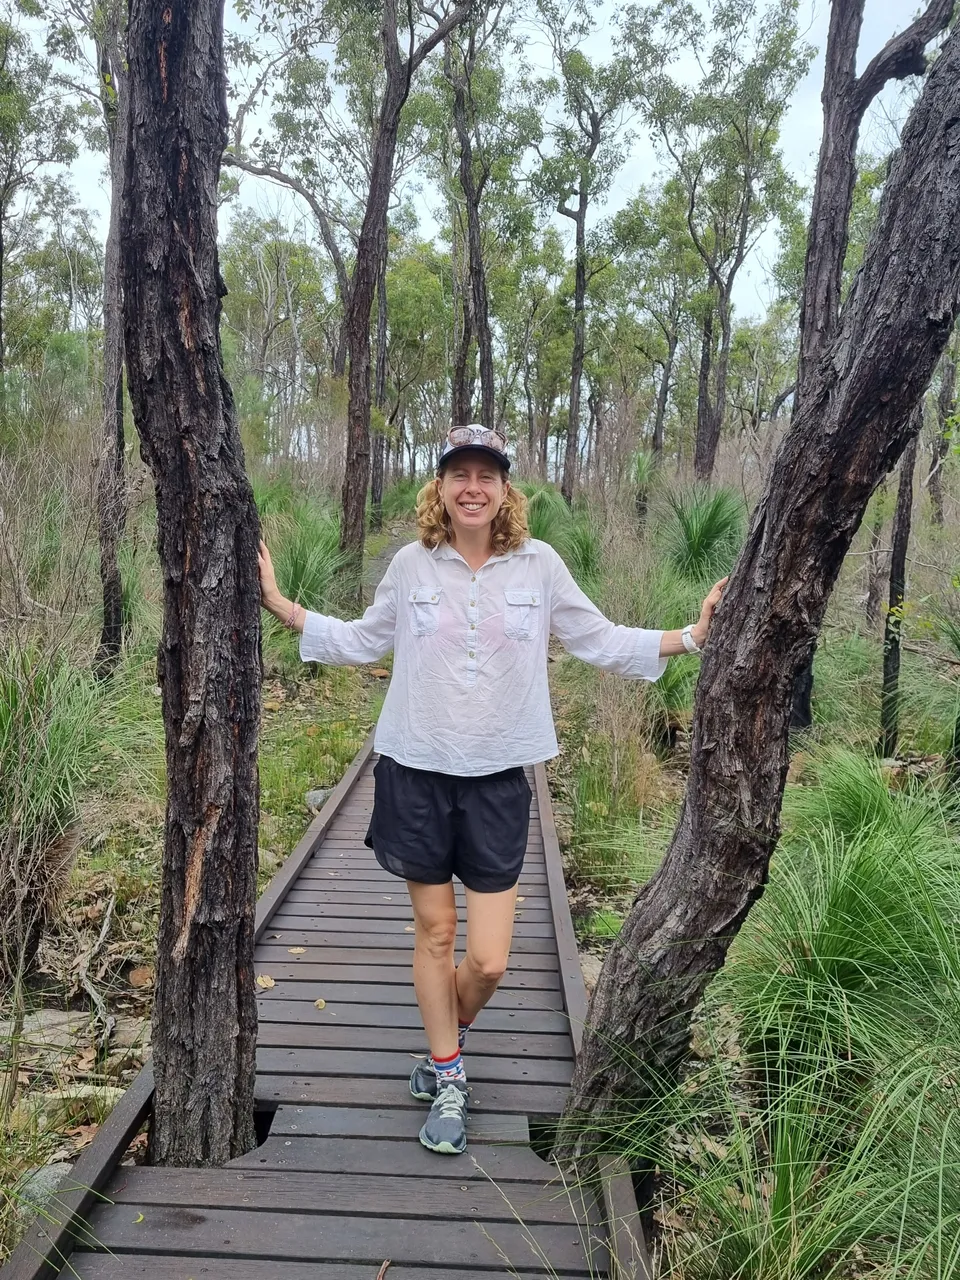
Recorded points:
(489, 934)
(434, 971)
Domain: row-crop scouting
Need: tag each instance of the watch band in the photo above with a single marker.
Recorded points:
(686, 635)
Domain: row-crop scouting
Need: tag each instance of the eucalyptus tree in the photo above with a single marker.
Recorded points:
(586, 146)
(845, 435)
(209, 661)
(722, 137)
(89, 36)
(945, 428)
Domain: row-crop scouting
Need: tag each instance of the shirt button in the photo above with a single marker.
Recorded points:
(471, 654)
(474, 578)
(472, 603)
(473, 626)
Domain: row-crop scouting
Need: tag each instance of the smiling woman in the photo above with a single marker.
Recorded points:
(468, 610)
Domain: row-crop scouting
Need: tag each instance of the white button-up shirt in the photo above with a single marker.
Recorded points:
(469, 693)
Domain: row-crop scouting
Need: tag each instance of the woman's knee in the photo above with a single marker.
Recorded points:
(488, 966)
(438, 934)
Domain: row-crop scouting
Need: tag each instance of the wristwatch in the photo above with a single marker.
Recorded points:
(686, 635)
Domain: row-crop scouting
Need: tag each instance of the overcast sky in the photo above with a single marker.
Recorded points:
(800, 139)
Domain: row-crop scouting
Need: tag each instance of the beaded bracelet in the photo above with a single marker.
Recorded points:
(292, 620)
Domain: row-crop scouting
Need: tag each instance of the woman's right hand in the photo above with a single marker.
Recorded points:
(269, 591)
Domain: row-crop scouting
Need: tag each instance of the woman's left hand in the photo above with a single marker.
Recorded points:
(708, 609)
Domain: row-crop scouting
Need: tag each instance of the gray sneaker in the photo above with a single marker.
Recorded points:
(423, 1081)
(445, 1129)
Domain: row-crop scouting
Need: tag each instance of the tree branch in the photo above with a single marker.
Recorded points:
(903, 55)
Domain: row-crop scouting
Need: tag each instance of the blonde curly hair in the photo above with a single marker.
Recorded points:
(508, 532)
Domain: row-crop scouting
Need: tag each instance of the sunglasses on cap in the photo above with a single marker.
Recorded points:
(473, 434)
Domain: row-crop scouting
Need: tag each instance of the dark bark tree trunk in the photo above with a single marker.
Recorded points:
(663, 395)
(371, 256)
(472, 186)
(705, 445)
(852, 427)
(462, 404)
(846, 97)
(946, 409)
(380, 398)
(209, 665)
(579, 216)
(111, 480)
(875, 562)
(890, 692)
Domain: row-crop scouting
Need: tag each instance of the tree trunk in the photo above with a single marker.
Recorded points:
(209, 665)
(705, 446)
(472, 192)
(850, 430)
(568, 482)
(111, 482)
(462, 404)
(663, 395)
(946, 409)
(370, 260)
(380, 396)
(875, 562)
(890, 693)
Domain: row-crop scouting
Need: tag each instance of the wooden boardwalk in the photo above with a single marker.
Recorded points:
(340, 1184)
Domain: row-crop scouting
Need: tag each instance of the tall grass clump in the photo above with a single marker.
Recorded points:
(305, 547)
(400, 499)
(47, 740)
(702, 532)
(855, 944)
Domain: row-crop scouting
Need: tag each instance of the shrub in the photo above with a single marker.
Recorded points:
(703, 532)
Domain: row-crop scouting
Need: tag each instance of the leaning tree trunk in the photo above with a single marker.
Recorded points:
(204, 1020)
(890, 692)
(704, 448)
(111, 481)
(849, 431)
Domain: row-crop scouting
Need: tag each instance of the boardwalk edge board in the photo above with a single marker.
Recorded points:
(45, 1249)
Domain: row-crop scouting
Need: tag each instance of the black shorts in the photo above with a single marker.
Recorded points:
(428, 827)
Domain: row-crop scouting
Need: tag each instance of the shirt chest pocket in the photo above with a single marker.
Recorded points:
(521, 613)
(424, 610)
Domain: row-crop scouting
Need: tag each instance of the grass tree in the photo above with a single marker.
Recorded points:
(846, 435)
(204, 1022)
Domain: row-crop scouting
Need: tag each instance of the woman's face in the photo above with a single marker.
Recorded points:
(472, 489)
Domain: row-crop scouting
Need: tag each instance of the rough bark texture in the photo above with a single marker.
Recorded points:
(850, 430)
(890, 692)
(875, 569)
(380, 399)
(371, 257)
(111, 481)
(708, 428)
(204, 1021)
(462, 397)
(946, 409)
(579, 216)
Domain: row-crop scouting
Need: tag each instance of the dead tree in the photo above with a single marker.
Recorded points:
(852, 426)
(209, 665)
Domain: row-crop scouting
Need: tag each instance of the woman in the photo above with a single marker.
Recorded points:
(468, 610)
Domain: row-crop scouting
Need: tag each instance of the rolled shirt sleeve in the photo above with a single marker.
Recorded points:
(582, 629)
(367, 639)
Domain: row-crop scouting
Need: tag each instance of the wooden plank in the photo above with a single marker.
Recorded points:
(345, 1238)
(384, 1015)
(296, 935)
(48, 1242)
(303, 902)
(400, 958)
(286, 977)
(130, 1266)
(402, 1159)
(358, 1122)
(343, 879)
(380, 1066)
(347, 1091)
(410, 1040)
(295, 919)
(629, 1259)
(304, 850)
(571, 975)
(379, 1195)
(300, 969)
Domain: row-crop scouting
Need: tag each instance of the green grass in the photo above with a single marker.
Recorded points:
(701, 531)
